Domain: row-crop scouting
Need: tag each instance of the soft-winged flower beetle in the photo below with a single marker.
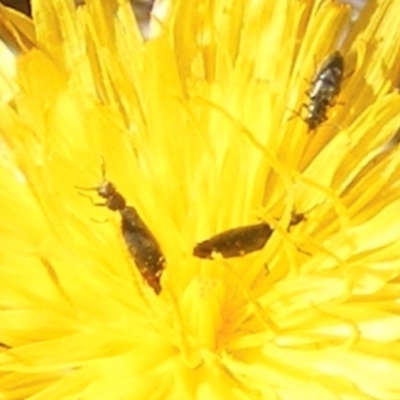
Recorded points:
(235, 242)
(141, 243)
(240, 241)
(323, 89)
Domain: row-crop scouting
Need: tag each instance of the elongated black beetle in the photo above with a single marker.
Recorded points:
(240, 241)
(324, 88)
(235, 242)
(141, 243)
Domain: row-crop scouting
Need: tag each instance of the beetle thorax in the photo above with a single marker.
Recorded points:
(114, 200)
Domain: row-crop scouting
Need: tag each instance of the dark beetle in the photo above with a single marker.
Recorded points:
(141, 243)
(235, 242)
(238, 242)
(324, 88)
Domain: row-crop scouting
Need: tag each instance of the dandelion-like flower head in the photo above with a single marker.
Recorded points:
(252, 247)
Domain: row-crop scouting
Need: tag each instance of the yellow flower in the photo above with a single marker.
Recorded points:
(201, 129)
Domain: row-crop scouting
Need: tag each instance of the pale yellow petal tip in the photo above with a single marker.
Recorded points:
(8, 85)
(160, 13)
